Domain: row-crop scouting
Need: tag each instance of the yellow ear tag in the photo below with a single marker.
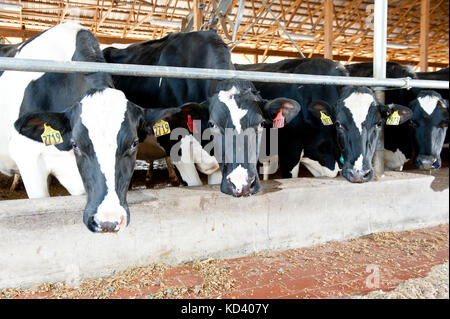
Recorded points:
(393, 119)
(161, 128)
(326, 120)
(51, 136)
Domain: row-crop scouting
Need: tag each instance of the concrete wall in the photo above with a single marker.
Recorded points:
(45, 240)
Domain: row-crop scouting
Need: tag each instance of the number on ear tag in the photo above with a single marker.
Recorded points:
(278, 121)
(393, 119)
(51, 136)
(161, 128)
(326, 120)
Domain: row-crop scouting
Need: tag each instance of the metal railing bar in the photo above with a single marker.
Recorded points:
(32, 65)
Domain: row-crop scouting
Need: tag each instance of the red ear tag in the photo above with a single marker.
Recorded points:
(190, 123)
(278, 121)
(192, 126)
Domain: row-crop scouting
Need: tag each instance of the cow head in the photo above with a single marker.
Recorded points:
(236, 117)
(430, 123)
(103, 130)
(321, 154)
(358, 121)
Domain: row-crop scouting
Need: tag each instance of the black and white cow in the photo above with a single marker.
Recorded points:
(306, 139)
(441, 75)
(421, 137)
(95, 126)
(8, 50)
(230, 107)
(358, 117)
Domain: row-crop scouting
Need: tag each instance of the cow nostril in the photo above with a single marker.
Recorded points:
(107, 226)
(94, 225)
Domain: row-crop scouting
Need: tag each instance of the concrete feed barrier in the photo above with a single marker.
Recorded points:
(44, 240)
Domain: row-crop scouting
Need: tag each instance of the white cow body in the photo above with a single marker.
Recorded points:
(193, 158)
(32, 159)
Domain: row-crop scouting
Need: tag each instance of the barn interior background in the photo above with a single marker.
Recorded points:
(256, 31)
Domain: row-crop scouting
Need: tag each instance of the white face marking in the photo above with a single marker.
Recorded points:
(359, 104)
(358, 163)
(428, 103)
(238, 177)
(109, 106)
(236, 113)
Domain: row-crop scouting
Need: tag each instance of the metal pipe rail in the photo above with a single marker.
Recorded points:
(32, 65)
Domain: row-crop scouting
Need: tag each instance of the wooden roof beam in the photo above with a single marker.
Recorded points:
(424, 34)
(328, 29)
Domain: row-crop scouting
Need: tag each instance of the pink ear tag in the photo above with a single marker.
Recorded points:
(278, 121)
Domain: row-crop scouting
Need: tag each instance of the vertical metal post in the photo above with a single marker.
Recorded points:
(379, 72)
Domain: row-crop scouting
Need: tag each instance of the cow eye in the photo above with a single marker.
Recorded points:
(443, 124)
(212, 125)
(379, 124)
(134, 145)
(260, 127)
(75, 146)
(413, 124)
(338, 125)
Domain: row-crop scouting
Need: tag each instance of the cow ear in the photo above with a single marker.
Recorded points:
(443, 104)
(396, 114)
(189, 113)
(152, 116)
(281, 108)
(34, 124)
(322, 111)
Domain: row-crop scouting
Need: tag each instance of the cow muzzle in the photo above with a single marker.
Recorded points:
(427, 162)
(244, 186)
(245, 190)
(358, 176)
(108, 221)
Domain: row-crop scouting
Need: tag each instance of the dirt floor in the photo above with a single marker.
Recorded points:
(160, 178)
(378, 263)
(433, 286)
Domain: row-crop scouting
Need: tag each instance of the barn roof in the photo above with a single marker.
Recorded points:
(257, 31)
